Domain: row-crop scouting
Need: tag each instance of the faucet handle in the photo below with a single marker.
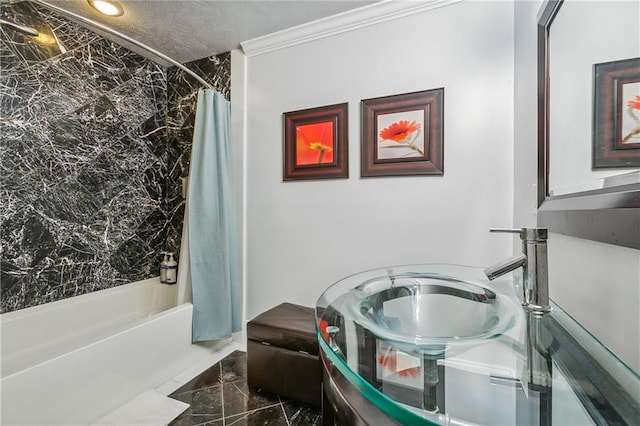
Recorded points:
(526, 234)
(506, 230)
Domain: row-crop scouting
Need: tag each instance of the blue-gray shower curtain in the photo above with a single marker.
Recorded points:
(212, 238)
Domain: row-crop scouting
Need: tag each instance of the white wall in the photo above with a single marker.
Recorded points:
(598, 284)
(238, 100)
(303, 236)
(525, 148)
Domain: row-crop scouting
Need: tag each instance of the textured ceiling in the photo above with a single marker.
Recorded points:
(187, 30)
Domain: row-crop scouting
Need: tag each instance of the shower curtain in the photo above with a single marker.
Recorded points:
(213, 257)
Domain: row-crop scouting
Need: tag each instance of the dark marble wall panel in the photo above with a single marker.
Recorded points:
(26, 48)
(93, 142)
(82, 162)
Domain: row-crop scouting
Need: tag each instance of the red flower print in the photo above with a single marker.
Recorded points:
(634, 103)
(400, 130)
(390, 362)
(634, 135)
(314, 143)
(322, 325)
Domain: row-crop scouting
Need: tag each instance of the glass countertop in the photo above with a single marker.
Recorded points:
(441, 344)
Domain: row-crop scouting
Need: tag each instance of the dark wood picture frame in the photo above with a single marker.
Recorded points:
(611, 142)
(315, 143)
(402, 135)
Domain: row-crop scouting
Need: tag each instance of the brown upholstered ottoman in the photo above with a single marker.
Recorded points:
(282, 353)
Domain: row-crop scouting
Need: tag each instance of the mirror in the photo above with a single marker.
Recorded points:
(612, 35)
(580, 44)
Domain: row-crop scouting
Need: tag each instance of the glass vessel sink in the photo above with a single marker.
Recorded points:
(419, 312)
(440, 344)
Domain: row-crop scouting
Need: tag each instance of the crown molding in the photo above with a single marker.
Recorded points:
(376, 13)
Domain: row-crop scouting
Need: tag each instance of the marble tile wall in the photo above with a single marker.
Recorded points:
(90, 159)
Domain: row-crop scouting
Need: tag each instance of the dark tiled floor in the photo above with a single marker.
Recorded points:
(220, 396)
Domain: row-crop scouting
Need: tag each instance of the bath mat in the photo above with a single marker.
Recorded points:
(147, 409)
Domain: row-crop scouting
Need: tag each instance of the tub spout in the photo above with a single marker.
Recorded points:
(533, 261)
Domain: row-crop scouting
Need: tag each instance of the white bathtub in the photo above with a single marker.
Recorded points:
(70, 362)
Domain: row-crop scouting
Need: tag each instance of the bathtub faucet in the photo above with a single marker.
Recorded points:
(534, 264)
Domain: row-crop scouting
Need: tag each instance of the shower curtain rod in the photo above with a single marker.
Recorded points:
(125, 37)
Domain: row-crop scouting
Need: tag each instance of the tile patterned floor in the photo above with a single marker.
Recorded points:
(220, 396)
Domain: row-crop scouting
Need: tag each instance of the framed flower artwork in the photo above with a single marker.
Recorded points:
(315, 143)
(616, 114)
(402, 135)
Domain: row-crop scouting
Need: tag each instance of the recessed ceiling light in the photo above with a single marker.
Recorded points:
(107, 7)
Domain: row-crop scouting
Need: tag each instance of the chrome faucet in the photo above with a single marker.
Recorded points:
(534, 264)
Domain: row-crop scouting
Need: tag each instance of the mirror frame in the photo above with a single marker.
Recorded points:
(609, 215)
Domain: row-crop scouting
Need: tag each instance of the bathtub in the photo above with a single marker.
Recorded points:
(72, 361)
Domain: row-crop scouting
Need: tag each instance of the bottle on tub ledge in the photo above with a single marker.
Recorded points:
(168, 269)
